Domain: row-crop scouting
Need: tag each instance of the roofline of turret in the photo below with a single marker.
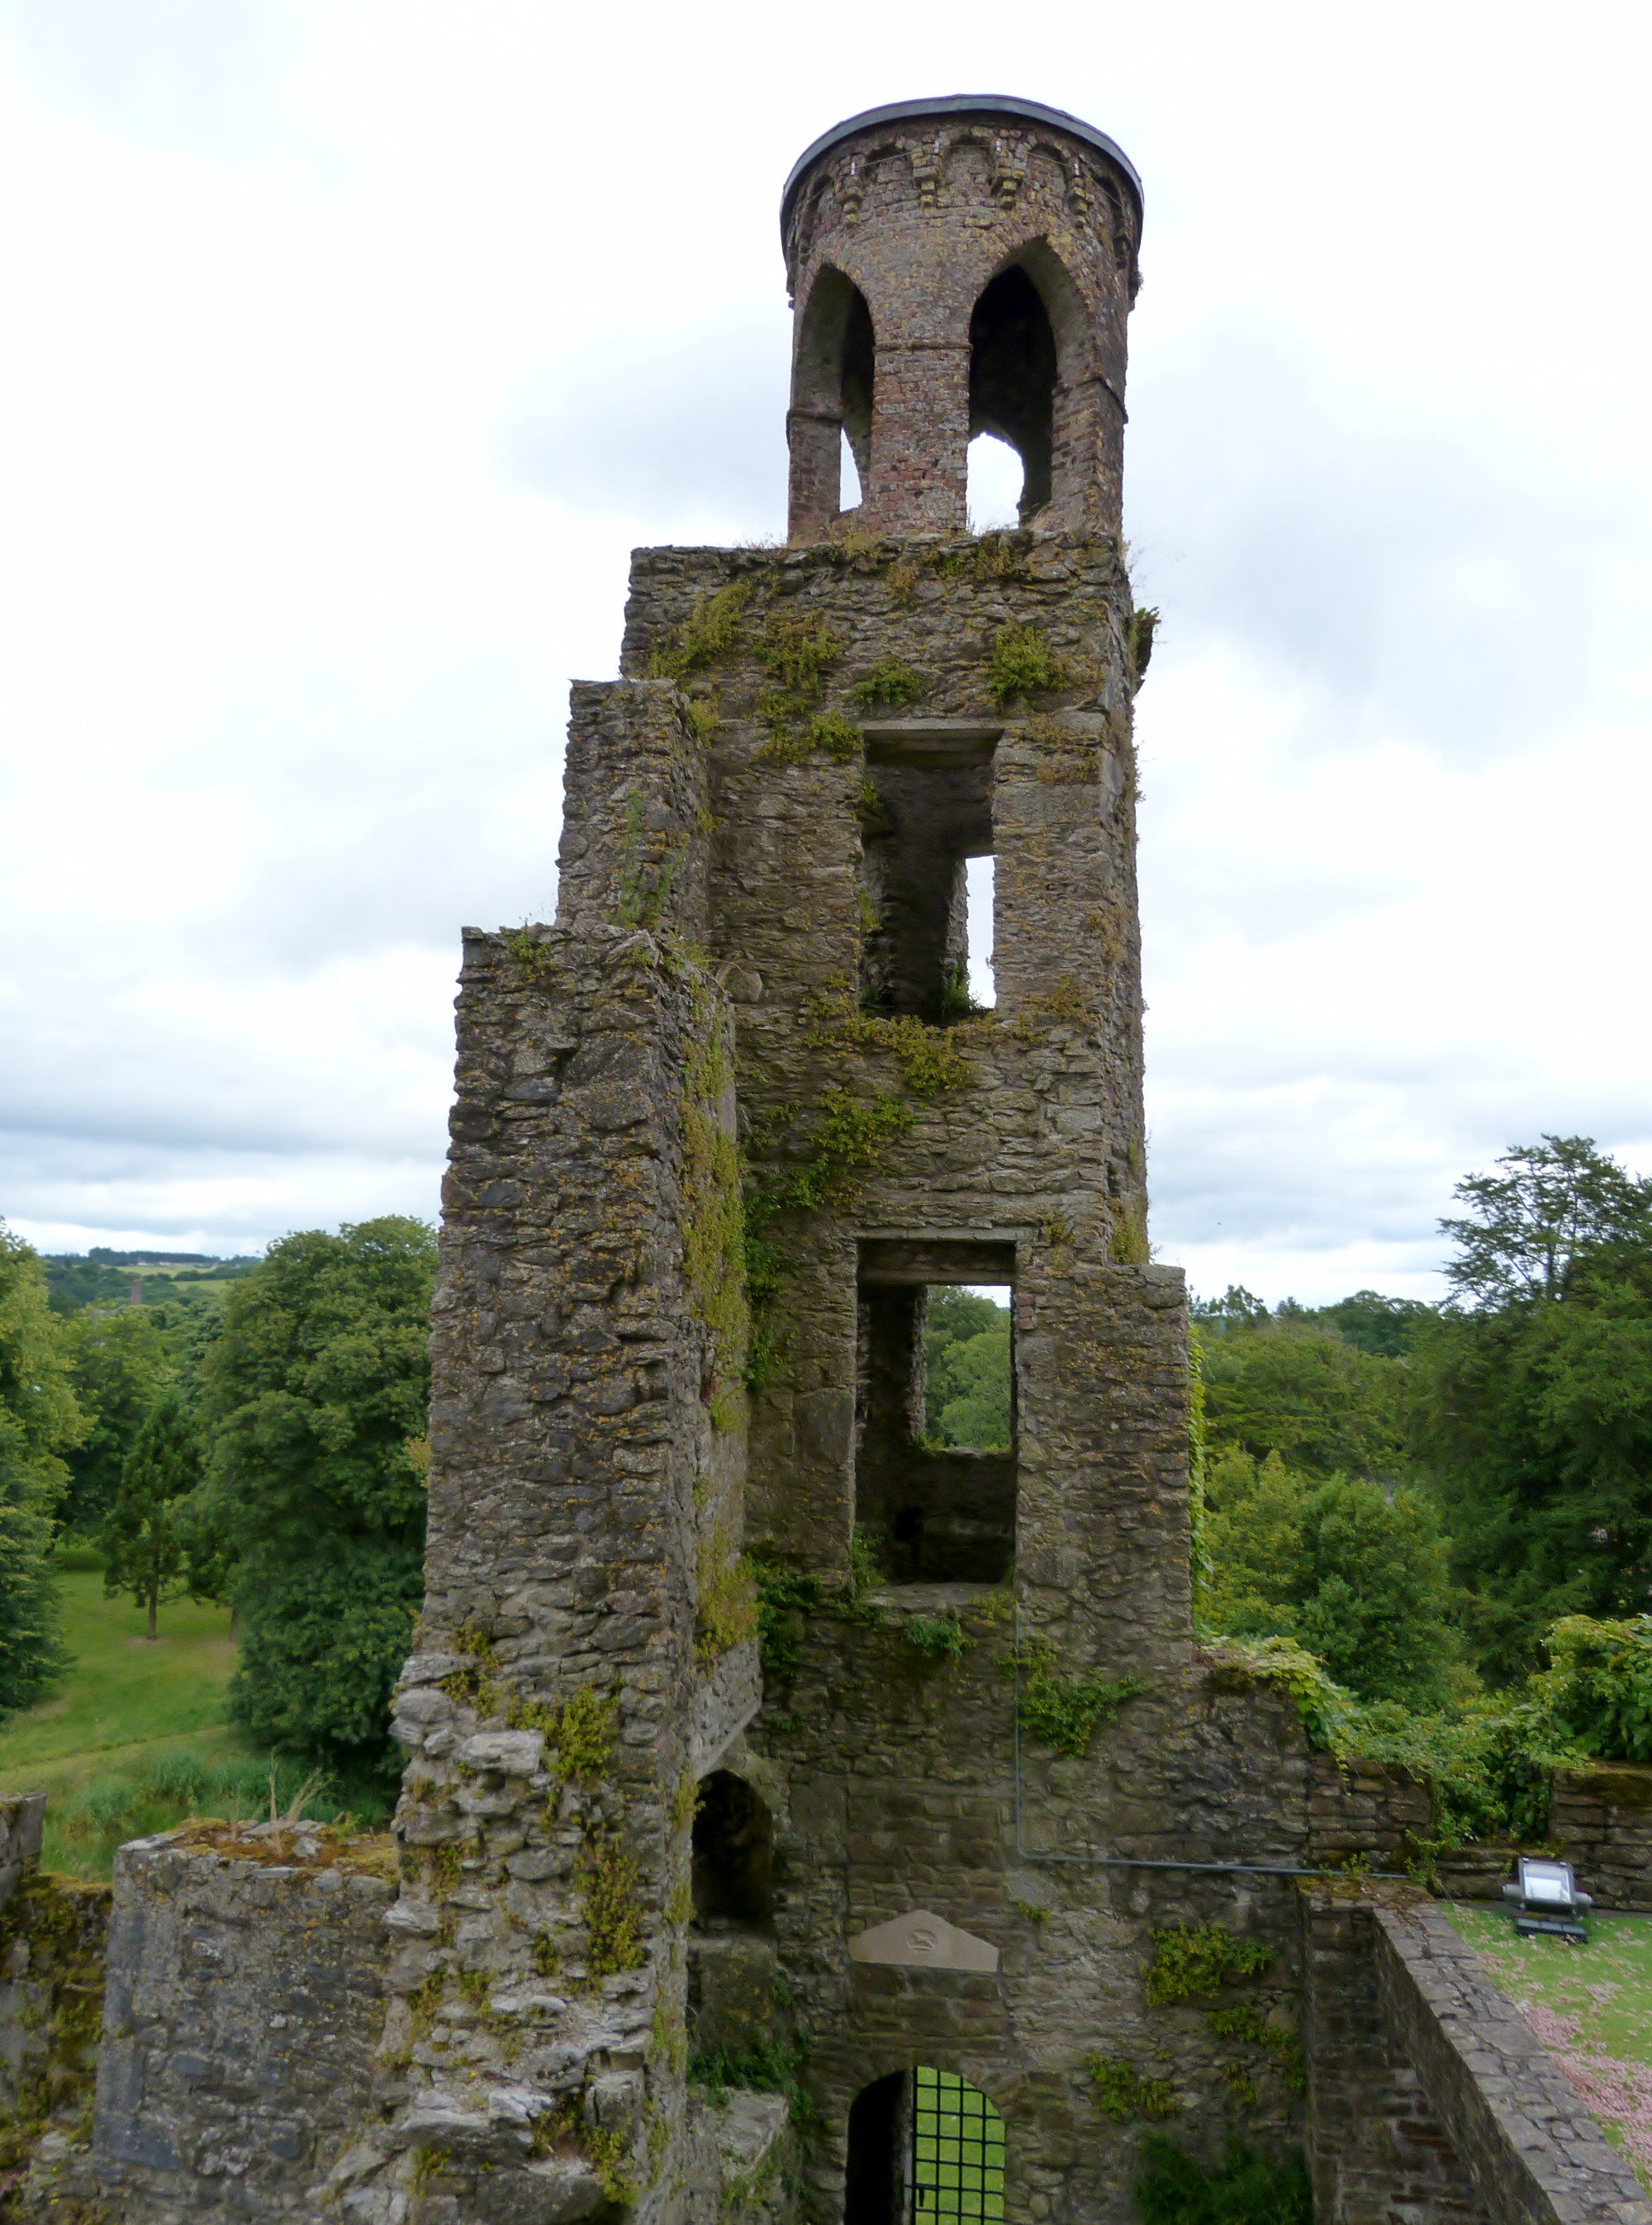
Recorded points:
(957, 104)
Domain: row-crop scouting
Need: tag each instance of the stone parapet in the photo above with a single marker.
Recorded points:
(246, 1996)
(1429, 2096)
(1531, 2150)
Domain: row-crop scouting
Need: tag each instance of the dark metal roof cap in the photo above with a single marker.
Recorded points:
(957, 104)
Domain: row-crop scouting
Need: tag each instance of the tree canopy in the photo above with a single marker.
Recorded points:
(1307, 1394)
(1533, 1409)
(315, 1396)
(119, 1360)
(144, 1531)
(1561, 1201)
(41, 1422)
(967, 1371)
(1354, 1573)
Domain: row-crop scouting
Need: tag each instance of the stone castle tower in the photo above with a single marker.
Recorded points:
(752, 993)
(801, 1821)
(754, 997)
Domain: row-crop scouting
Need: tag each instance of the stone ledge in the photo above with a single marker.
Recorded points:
(1532, 2149)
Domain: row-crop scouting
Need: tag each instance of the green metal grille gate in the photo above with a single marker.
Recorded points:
(958, 2151)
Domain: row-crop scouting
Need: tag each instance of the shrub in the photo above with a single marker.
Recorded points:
(1063, 1712)
(890, 681)
(1244, 2189)
(1597, 1692)
(937, 1637)
(1192, 1959)
(1022, 663)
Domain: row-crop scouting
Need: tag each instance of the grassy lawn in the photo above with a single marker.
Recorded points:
(136, 1737)
(1591, 2006)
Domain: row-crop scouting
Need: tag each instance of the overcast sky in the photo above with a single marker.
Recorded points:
(351, 348)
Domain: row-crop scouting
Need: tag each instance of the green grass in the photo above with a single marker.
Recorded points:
(1590, 2006)
(137, 1736)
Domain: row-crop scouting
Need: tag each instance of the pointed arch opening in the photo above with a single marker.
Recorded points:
(831, 395)
(732, 1854)
(1025, 333)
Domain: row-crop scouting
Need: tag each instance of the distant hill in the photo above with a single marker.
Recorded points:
(102, 1278)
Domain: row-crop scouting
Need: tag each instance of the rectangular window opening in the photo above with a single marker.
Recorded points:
(935, 1439)
(927, 886)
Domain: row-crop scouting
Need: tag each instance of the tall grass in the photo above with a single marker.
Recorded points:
(138, 1738)
(84, 1828)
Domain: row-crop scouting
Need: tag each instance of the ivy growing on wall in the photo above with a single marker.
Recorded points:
(1124, 2094)
(1189, 1960)
(1064, 1712)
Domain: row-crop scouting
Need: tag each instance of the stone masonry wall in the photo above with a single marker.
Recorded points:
(1600, 1821)
(893, 1781)
(245, 1998)
(1430, 2097)
(1530, 2149)
(586, 1647)
(1377, 2147)
(794, 770)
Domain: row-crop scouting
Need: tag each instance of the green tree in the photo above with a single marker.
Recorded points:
(1560, 1200)
(967, 1371)
(1357, 1575)
(1389, 1327)
(145, 1531)
(315, 1396)
(1307, 1394)
(1535, 1416)
(39, 1423)
(119, 1358)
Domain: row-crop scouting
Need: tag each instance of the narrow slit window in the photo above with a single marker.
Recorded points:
(979, 878)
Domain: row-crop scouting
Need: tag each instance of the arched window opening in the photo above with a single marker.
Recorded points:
(995, 479)
(833, 376)
(925, 2147)
(733, 1857)
(1013, 378)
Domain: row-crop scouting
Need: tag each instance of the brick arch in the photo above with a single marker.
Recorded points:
(1029, 335)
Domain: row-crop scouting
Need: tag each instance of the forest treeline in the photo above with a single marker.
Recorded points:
(263, 1448)
(1433, 1522)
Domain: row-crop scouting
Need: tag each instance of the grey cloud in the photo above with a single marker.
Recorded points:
(75, 1192)
(662, 425)
(1423, 570)
(209, 75)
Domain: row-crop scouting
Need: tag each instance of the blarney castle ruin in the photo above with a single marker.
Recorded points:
(931, 1897)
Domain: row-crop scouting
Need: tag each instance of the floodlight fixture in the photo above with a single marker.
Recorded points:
(1548, 1902)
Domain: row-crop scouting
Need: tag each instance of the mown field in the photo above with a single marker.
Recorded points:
(137, 1736)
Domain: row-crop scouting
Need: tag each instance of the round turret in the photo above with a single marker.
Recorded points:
(959, 266)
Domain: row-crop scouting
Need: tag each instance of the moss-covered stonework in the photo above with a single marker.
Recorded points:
(716, 1133)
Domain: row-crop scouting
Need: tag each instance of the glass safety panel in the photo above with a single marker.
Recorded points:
(957, 2150)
